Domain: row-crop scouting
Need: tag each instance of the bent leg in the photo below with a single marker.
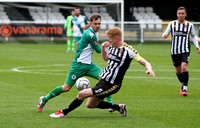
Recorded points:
(94, 72)
(78, 101)
(92, 102)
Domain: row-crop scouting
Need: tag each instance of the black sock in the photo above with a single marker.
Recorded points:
(185, 78)
(76, 103)
(105, 105)
(180, 77)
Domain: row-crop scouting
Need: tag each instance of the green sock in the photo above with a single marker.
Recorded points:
(73, 46)
(68, 44)
(57, 91)
(109, 99)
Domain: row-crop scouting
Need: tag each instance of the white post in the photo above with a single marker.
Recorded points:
(6, 39)
(142, 35)
(122, 19)
(52, 39)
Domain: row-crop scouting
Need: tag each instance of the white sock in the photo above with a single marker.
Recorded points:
(185, 88)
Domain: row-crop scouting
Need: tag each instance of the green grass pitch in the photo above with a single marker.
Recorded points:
(28, 71)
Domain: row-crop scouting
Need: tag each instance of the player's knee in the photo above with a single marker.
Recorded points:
(81, 95)
(184, 67)
(178, 70)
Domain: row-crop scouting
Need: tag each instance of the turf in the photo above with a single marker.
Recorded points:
(28, 71)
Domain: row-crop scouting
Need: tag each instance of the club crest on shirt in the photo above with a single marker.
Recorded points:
(91, 34)
(73, 77)
(185, 26)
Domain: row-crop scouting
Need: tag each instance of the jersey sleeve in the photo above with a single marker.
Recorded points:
(85, 20)
(194, 37)
(65, 25)
(192, 30)
(134, 54)
(168, 29)
(72, 23)
(199, 32)
(94, 43)
(66, 22)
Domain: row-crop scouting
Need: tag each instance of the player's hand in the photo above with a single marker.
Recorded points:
(150, 72)
(105, 44)
(198, 50)
(165, 35)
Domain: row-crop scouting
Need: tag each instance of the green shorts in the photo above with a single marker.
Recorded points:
(78, 70)
(76, 38)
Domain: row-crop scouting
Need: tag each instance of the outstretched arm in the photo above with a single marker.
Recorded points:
(195, 41)
(147, 66)
(85, 27)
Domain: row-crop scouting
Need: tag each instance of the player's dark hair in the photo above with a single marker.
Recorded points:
(182, 8)
(95, 16)
(77, 8)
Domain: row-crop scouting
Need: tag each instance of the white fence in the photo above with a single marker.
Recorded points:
(144, 31)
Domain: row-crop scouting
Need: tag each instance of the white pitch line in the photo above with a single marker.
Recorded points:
(4, 70)
(162, 70)
(166, 78)
(17, 70)
(45, 70)
(42, 71)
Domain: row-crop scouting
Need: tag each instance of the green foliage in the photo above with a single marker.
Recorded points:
(151, 102)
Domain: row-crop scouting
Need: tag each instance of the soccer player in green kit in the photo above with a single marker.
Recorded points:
(69, 31)
(79, 23)
(82, 64)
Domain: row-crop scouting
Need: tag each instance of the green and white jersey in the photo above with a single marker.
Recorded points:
(86, 47)
(77, 22)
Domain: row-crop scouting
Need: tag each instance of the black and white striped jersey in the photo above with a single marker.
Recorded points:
(118, 63)
(180, 36)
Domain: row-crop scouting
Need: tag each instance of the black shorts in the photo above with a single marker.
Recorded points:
(104, 89)
(179, 58)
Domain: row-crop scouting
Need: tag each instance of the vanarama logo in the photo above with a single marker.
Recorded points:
(8, 30)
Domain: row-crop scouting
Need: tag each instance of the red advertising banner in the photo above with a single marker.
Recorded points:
(20, 30)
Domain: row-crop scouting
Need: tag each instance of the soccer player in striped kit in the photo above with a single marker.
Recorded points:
(119, 56)
(180, 50)
(82, 64)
